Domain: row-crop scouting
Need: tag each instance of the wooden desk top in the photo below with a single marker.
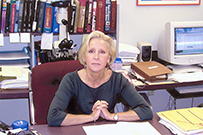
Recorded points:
(78, 129)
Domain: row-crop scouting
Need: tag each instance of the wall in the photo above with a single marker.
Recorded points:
(145, 23)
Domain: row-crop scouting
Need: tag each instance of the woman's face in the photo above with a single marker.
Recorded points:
(97, 56)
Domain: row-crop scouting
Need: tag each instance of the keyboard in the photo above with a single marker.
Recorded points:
(190, 89)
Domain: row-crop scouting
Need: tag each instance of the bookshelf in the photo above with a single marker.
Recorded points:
(33, 34)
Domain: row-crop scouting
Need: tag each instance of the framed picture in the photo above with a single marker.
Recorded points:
(167, 2)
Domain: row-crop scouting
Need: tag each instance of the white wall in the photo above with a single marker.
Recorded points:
(145, 23)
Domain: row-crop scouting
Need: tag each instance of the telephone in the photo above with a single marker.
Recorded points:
(3, 127)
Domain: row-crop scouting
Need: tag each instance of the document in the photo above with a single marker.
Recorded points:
(122, 128)
(183, 121)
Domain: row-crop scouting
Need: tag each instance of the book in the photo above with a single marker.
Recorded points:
(77, 4)
(12, 21)
(7, 16)
(89, 20)
(1, 8)
(100, 15)
(94, 12)
(71, 18)
(31, 7)
(35, 16)
(41, 16)
(21, 13)
(151, 70)
(25, 16)
(3, 16)
(81, 16)
(55, 25)
(12, 14)
(48, 13)
(86, 16)
(16, 16)
(113, 14)
(187, 121)
(107, 15)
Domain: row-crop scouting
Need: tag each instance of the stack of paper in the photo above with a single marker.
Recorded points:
(186, 121)
(128, 53)
(14, 69)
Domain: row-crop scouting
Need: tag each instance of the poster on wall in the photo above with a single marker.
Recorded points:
(166, 2)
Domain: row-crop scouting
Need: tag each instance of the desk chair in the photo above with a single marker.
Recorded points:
(45, 79)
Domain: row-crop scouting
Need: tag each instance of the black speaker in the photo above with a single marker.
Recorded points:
(145, 51)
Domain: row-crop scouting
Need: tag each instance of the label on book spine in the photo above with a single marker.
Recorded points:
(48, 18)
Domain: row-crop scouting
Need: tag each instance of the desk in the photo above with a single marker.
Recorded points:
(14, 105)
(14, 93)
(78, 130)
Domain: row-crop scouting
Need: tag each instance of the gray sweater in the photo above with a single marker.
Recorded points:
(85, 96)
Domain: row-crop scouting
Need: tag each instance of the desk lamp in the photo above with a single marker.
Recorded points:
(62, 46)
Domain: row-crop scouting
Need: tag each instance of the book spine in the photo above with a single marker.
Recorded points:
(3, 17)
(1, 9)
(25, 16)
(77, 3)
(12, 17)
(47, 26)
(71, 19)
(81, 16)
(30, 15)
(41, 17)
(89, 20)
(20, 18)
(7, 17)
(16, 16)
(35, 16)
(55, 27)
(94, 12)
(107, 15)
(86, 16)
(100, 15)
(113, 14)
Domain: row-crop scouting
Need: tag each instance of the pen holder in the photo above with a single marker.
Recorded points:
(20, 124)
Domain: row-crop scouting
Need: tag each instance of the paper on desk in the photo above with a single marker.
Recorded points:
(183, 121)
(188, 77)
(122, 128)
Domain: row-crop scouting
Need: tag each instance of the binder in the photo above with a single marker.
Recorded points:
(151, 70)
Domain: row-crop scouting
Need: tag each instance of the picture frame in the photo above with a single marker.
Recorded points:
(167, 2)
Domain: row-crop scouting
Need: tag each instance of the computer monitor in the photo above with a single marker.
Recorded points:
(183, 43)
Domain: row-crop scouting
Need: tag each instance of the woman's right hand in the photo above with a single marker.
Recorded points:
(96, 109)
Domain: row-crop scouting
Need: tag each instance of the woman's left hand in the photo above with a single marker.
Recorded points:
(105, 114)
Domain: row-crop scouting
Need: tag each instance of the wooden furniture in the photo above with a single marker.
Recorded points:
(78, 129)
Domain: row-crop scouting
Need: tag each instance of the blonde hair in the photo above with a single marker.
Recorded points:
(99, 35)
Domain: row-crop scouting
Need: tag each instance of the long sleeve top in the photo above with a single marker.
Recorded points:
(85, 96)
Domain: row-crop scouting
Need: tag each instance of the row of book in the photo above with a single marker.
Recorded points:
(39, 16)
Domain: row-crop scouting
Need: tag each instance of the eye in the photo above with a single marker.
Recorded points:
(103, 52)
(91, 51)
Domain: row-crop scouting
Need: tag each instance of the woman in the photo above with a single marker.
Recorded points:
(96, 88)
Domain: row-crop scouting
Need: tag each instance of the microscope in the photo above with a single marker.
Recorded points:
(64, 44)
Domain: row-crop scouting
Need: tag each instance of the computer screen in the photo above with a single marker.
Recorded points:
(188, 41)
(182, 43)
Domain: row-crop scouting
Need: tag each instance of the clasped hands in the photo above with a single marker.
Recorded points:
(99, 109)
